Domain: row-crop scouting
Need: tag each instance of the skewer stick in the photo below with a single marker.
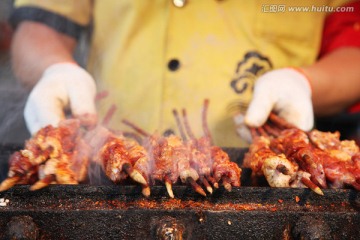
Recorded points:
(227, 183)
(196, 186)
(109, 115)
(43, 182)
(204, 121)
(312, 186)
(314, 169)
(180, 126)
(254, 133)
(146, 191)
(280, 122)
(136, 128)
(262, 132)
(213, 181)
(207, 185)
(101, 95)
(134, 174)
(187, 125)
(309, 161)
(168, 186)
(9, 182)
(271, 130)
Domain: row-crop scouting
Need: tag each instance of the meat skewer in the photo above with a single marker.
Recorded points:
(297, 148)
(171, 160)
(116, 154)
(50, 156)
(197, 158)
(209, 157)
(223, 167)
(164, 170)
(336, 156)
(295, 144)
(62, 155)
(180, 152)
(321, 154)
(21, 171)
(111, 153)
(278, 170)
(340, 158)
(141, 163)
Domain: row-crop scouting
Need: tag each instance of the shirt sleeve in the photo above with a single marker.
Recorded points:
(342, 28)
(66, 16)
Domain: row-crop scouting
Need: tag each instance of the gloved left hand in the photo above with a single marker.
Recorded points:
(62, 86)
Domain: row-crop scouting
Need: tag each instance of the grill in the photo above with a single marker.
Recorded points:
(121, 212)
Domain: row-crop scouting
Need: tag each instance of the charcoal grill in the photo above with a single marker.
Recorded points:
(121, 212)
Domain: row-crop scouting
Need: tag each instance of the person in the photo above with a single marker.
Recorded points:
(249, 57)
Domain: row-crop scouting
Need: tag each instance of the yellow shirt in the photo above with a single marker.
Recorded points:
(215, 48)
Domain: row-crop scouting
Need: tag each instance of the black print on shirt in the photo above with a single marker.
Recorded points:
(253, 65)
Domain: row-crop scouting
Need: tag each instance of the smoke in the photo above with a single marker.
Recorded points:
(12, 102)
(96, 138)
(96, 175)
(12, 96)
(13, 130)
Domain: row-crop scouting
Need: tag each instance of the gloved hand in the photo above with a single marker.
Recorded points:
(285, 91)
(62, 85)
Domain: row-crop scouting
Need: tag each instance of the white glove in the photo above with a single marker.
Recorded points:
(62, 85)
(285, 91)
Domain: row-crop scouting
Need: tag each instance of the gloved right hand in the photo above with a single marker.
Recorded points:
(62, 86)
(285, 91)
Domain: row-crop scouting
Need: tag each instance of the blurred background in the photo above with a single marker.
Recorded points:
(12, 94)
